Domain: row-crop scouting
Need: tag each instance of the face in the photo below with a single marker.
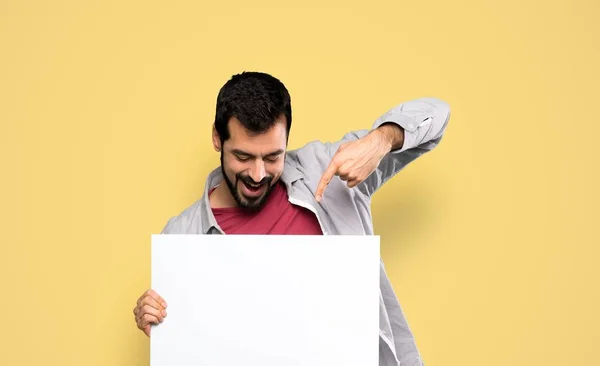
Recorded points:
(252, 163)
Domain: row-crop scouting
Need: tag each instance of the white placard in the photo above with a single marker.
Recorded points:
(270, 300)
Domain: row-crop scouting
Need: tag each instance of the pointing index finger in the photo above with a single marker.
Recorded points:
(325, 179)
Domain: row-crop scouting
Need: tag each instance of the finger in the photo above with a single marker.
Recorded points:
(152, 302)
(147, 310)
(157, 313)
(325, 179)
(148, 319)
(346, 168)
(352, 183)
(147, 329)
(348, 177)
(153, 294)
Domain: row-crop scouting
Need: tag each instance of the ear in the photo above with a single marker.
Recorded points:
(216, 140)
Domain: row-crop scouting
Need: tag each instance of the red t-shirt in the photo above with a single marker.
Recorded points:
(277, 217)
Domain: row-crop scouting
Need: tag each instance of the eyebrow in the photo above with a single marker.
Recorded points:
(243, 153)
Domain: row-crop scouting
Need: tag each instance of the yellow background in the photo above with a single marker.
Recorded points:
(490, 240)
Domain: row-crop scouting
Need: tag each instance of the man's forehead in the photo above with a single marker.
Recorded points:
(240, 136)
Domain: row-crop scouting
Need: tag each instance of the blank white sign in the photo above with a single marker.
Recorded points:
(270, 300)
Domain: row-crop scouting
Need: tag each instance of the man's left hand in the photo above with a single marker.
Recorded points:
(354, 161)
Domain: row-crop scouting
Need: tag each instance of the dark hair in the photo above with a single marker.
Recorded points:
(256, 99)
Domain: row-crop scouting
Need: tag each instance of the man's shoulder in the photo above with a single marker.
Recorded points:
(311, 155)
(189, 221)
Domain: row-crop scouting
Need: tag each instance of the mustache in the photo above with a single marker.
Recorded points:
(246, 179)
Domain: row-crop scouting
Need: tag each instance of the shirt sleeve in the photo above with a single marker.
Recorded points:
(424, 122)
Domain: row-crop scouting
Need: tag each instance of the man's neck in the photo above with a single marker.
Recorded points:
(221, 197)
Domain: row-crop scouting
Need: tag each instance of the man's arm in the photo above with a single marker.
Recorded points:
(367, 159)
(392, 134)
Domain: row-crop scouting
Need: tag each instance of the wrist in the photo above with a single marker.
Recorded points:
(392, 135)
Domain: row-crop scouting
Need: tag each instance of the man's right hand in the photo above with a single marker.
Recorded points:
(150, 309)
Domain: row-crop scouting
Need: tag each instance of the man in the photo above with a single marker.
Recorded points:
(319, 189)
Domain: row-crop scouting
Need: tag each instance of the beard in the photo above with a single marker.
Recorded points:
(249, 203)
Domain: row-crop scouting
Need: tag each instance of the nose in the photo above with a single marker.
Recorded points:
(257, 172)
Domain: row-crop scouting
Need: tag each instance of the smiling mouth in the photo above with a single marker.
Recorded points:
(252, 187)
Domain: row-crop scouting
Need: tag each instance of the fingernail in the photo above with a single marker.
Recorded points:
(164, 313)
(164, 304)
(318, 198)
